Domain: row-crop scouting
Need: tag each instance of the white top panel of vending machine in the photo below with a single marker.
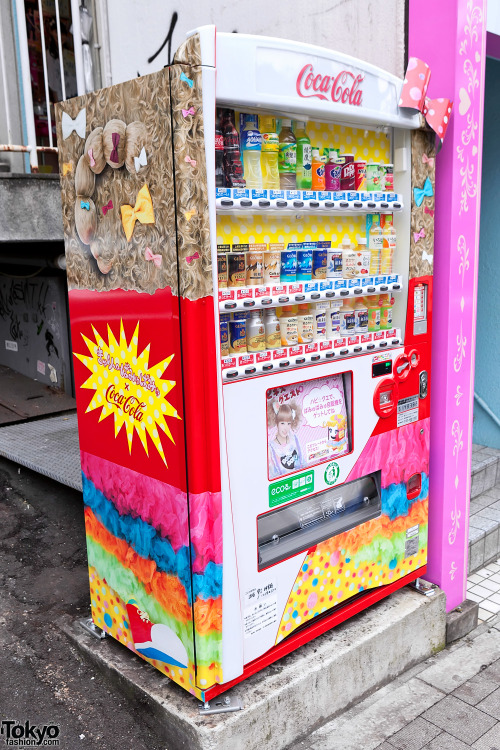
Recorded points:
(295, 79)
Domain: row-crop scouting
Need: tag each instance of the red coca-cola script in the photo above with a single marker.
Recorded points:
(345, 87)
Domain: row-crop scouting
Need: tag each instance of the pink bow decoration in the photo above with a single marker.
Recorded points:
(190, 111)
(413, 94)
(428, 210)
(107, 207)
(151, 256)
(91, 157)
(114, 154)
(428, 160)
(190, 258)
(419, 235)
(188, 160)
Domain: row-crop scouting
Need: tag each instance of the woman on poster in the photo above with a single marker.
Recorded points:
(285, 453)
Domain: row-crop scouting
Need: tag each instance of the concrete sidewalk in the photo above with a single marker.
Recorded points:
(449, 702)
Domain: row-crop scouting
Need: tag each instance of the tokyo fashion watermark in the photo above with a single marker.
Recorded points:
(18, 734)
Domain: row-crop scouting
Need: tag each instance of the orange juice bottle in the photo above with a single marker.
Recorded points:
(373, 308)
(385, 303)
(388, 245)
(318, 171)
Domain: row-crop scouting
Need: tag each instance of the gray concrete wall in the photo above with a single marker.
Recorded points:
(30, 209)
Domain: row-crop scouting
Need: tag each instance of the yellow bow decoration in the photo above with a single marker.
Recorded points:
(142, 212)
(67, 167)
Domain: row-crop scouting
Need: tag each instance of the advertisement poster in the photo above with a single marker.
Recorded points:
(307, 423)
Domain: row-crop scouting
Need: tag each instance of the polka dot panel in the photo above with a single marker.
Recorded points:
(326, 580)
(369, 145)
(232, 229)
(110, 614)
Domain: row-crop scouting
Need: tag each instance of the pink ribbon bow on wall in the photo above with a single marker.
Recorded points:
(114, 154)
(413, 94)
(107, 207)
(419, 235)
(151, 256)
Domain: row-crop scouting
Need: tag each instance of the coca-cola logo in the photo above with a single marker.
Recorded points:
(344, 88)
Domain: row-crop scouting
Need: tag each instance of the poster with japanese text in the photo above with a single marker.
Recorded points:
(307, 423)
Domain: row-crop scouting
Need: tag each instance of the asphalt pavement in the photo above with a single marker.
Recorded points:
(43, 575)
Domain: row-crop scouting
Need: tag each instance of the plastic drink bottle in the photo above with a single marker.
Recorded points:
(361, 313)
(347, 317)
(269, 153)
(220, 180)
(287, 159)
(289, 327)
(273, 330)
(319, 311)
(385, 303)
(304, 157)
(362, 258)
(318, 171)
(373, 309)
(305, 324)
(333, 321)
(388, 245)
(251, 144)
(233, 169)
(375, 241)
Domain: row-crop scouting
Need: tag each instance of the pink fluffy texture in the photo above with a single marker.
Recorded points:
(206, 528)
(398, 453)
(162, 506)
(140, 496)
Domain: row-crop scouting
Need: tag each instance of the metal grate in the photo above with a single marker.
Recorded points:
(48, 446)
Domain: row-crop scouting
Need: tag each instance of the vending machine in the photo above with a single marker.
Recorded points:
(249, 242)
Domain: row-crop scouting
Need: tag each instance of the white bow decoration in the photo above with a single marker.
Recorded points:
(79, 124)
(140, 161)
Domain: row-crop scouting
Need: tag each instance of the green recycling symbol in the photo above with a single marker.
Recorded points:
(332, 472)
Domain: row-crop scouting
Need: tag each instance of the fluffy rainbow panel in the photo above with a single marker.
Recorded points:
(131, 550)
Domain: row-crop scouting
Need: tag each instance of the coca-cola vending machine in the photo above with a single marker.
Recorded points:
(252, 361)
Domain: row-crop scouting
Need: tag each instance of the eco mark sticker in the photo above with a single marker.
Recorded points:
(291, 488)
(127, 387)
(332, 472)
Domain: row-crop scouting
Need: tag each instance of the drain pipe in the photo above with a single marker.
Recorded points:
(486, 408)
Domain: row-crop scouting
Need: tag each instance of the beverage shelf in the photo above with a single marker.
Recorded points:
(303, 292)
(243, 366)
(241, 201)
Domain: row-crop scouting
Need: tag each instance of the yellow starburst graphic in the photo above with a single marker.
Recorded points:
(127, 387)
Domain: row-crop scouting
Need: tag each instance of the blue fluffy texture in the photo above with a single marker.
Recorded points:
(145, 540)
(395, 502)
